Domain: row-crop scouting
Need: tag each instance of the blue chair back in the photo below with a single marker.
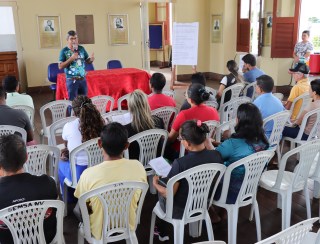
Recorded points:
(114, 64)
(53, 71)
(89, 67)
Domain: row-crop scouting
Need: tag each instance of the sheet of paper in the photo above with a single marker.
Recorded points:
(123, 119)
(185, 43)
(161, 166)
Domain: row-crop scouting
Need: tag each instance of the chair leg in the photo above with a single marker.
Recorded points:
(278, 154)
(251, 212)
(194, 229)
(151, 187)
(152, 224)
(178, 232)
(279, 201)
(232, 225)
(257, 217)
(286, 210)
(80, 236)
(209, 227)
(65, 199)
(307, 196)
(316, 189)
(133, 238)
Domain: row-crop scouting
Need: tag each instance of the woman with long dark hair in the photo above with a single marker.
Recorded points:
(249, 138)
(86, 126)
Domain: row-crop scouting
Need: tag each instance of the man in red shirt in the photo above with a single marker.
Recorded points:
(157, 99)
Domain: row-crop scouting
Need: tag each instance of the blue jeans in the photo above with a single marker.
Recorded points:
(76, 87)
(293, 132)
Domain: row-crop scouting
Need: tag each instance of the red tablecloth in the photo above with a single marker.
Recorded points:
(112, 82)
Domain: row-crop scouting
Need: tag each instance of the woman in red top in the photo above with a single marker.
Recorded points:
(196, 95)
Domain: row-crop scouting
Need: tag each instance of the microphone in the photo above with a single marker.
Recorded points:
(75, 48)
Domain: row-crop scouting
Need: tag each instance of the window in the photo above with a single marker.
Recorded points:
(6, 20)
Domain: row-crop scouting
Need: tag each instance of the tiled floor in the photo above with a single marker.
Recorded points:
(270, 215)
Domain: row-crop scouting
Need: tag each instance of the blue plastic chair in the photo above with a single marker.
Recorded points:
(114, 64)
(89, 67)
(53, 71)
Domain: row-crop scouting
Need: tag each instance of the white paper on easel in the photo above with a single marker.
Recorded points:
(161, 166)
(185, 43)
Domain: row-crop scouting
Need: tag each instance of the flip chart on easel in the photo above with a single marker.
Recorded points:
(185, 43)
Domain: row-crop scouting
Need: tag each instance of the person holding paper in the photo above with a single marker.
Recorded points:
(87, 125)
(193, 134)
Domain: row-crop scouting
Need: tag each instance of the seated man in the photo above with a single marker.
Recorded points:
(250, 70)
(301, 86)
(115, 168)
(14, 117)
(267, 103)
(16, 186)
(196, 78)
(11, 86)
(157, 99)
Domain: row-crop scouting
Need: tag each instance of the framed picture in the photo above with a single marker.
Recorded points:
(118, 29)
(49, 31)
(216, 28)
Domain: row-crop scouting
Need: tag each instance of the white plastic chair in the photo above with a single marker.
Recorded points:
(122, 99)
(211, 90)
(95, 156)
(11, 129)
(296, 234)
(247, 87)
(38, 156)
(169, 93)
(254, 165)
(284, 183)
(25, 221)
(314, 175)
(278, 95)
(210, 242)
(29, 112)
(58, 110)
(229, 109)
(230, 125)
(212, 104)
(108, 116)
(148, 144)
(115, 199)
(278, 120)
(55, 129)
(102, 101)
(199, 181)
(235, 89)
(305, 100)
(167, 114)
(313, 133)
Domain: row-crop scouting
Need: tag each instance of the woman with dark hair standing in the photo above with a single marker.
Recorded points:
(192, 135)
(249, 138)
(86, 126)
(228, 81)
(196, 95)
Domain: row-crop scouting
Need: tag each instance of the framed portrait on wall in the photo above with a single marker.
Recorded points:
(49, 31)
(118, 29)
(216, 28)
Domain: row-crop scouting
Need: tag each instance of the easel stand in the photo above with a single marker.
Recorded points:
(174, 84)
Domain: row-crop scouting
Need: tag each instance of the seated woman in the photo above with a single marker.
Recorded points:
(249, 138)
(142, 119)
(193, 135)
(85, 127)
(293, 131)
(228, 81)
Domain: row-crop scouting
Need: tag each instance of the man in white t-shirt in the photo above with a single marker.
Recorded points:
(11, 86)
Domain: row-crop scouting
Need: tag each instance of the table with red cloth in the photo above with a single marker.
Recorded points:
(111, 82)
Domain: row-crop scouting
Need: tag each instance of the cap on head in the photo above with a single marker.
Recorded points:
(301, 68)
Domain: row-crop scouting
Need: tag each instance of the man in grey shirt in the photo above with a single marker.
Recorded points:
(10, 116)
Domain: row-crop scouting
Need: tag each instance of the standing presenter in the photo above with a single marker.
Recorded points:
(72, 59)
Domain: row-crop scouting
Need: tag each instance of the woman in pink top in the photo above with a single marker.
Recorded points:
(314, 92)
(196, 95)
